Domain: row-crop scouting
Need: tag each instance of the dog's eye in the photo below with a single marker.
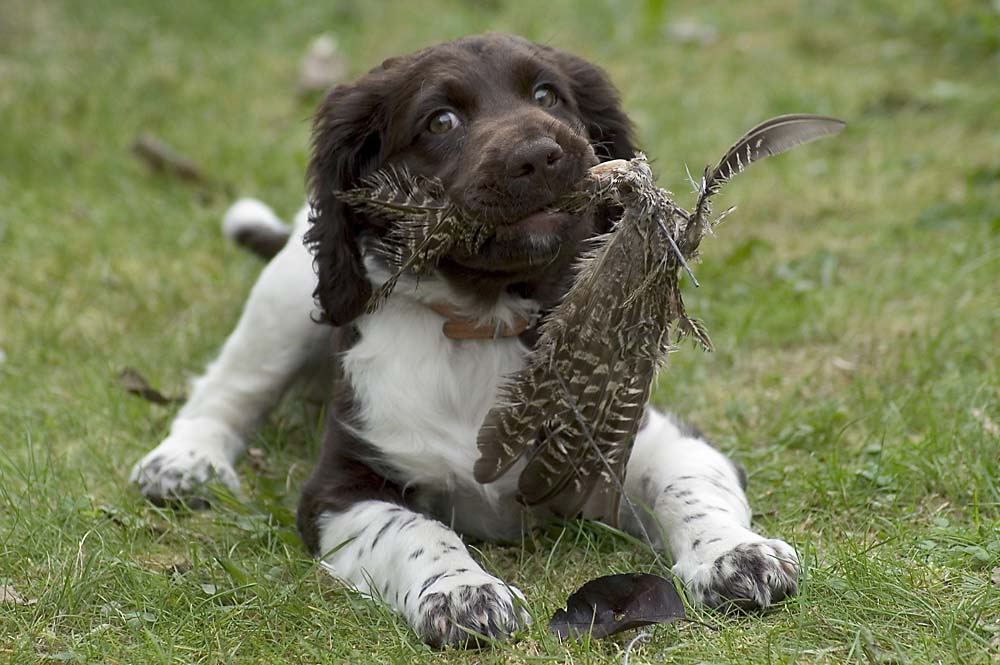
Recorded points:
(546, 96)
(443, 121)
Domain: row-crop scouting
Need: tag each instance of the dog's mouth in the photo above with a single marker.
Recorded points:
(536, 227)
(532, 242)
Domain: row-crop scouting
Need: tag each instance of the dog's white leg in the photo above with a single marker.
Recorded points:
(274, 338)
(421, 569)
(696, 495)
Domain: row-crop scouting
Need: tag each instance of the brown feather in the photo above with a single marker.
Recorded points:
(771, 137)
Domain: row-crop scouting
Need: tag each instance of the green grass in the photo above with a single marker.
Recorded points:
(854, 300)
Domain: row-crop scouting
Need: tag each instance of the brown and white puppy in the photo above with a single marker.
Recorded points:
(507, 126)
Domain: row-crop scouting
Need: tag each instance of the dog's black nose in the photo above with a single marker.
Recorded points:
(534, 158)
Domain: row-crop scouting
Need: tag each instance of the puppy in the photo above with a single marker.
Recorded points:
(507, 126)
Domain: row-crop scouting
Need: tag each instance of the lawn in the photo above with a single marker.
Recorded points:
(854, 300)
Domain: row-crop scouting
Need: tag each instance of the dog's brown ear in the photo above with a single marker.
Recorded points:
(347, 144)
(600, 107)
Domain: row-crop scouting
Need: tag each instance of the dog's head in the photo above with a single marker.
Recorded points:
(507, 125)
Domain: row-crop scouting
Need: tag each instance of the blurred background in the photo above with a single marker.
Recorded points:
(853, 297)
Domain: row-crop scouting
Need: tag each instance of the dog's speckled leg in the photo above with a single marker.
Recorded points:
(274, 338)
(696, 495)
(420, 568)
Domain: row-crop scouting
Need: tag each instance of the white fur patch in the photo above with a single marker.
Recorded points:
(423, 396)
(248, 214)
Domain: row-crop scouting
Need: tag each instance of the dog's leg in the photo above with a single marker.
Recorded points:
(695, 493)
(359, 525)
(421, 569)
(274, 338)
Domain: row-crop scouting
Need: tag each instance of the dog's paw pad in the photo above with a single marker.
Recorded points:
(176, 471)
(750, 576)
(465, 613)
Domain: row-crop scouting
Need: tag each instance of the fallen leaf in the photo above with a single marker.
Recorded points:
(135, 383)
(10, 596)
(996, 576)
(323, 66)
(138, 619)
(614, 603)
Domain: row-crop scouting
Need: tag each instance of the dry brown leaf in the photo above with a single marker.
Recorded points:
(135, 383)
(614, 603)
(10, 596)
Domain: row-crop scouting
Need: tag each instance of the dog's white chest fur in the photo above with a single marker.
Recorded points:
(422, 396)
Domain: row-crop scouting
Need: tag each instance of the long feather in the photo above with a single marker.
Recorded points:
(505, 436)
(771, 137)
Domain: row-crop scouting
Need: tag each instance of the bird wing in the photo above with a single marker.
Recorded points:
(594, 379)
(523, 410)
(531, 410)
(597, 449)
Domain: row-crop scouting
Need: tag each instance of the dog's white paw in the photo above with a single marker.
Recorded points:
(187, 459)
(459, 607)
(751, 575)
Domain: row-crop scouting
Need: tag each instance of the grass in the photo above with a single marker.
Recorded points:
(853, 300)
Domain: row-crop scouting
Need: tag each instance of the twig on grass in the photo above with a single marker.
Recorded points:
(164, 158)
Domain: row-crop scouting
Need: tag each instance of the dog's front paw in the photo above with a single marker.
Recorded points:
(750, 576)
(187, 459)
(464, 608)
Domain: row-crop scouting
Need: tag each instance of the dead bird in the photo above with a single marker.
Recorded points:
(575, 407)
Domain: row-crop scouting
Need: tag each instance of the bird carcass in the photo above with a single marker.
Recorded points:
(574, 409)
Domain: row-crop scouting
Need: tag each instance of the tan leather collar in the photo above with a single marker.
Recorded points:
(458, 327)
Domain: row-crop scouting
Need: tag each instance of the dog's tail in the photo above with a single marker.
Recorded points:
(253, 225)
